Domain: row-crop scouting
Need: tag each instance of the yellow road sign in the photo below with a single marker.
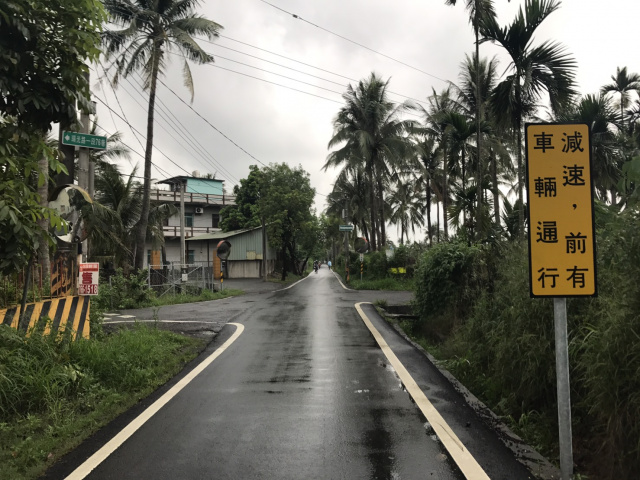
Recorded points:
(559, 194)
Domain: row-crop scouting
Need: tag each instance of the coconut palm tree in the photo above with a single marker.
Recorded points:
(478, 11)
(607, 154)
(532, 71)
(112, 219)
(369, 131)
(406, 207)
(482, 74)
(150, 29)
(435, 126)
(623, 84)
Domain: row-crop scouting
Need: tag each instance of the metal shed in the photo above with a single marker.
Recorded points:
(245, 259)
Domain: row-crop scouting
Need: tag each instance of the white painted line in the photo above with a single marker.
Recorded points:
(97, 458)
(292, 285)
(110, 322)
(463, 458)
(127, 316)
(110, 314)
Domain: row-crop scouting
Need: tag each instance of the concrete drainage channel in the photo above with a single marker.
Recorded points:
(536, 463)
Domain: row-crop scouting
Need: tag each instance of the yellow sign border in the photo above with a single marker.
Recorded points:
(590, 245)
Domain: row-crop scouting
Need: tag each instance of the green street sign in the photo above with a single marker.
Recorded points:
(84, 140)
(346, 228)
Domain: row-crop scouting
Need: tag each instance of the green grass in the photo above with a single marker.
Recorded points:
(396, 284)
(206, 295)
(54, 394)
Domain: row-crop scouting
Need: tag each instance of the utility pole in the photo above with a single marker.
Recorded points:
(264, 250)
(346, 241)
(83, 165)
(183, 245)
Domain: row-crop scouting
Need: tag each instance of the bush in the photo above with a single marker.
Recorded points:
(124, 291)
(449, 279)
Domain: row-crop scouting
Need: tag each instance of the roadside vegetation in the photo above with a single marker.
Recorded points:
(475, 315)
(54, 393)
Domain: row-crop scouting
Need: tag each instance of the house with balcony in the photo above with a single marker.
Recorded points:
(203, 200)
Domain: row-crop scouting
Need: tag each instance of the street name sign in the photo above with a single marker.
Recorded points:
(84, 140)
(346, 228)
(560, 198)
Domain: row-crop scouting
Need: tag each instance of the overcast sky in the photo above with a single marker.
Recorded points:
(421, 44)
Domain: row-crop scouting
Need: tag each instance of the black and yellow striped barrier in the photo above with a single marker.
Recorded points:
(65, 313)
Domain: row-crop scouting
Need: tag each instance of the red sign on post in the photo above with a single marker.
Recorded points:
(88, 279)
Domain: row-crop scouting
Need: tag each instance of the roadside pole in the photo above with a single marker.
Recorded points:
(561, 242)
(562, 385)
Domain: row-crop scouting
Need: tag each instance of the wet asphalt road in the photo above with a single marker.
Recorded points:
(304, 393)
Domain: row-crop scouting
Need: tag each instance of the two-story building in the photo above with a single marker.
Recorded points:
(203, 200)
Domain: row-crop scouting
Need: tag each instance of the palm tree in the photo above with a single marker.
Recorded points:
(481, 73)
(425, 169)
(606, 152)
(112, 219)
(533, 69)
(623, 83)
(436, 126)
(150, 29)
(478, 11)
(406, 208)
(370, 132)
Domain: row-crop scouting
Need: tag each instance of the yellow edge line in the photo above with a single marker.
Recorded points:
(463, 458)
(97, 458)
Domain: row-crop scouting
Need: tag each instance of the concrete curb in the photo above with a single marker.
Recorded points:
(538, 465)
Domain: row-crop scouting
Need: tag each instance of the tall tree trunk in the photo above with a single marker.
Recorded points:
(519, 157)
(141, 234)
(476, 27)
(43, 249)
(284, 263)
(438, 221)
(496, 196)
(372, 205)
(464, 190)
(445, 194)
(383, 233)
(429, 211)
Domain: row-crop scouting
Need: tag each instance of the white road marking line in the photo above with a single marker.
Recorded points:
(97, 458)
(463, 458)
(159, 321)
(127, 316)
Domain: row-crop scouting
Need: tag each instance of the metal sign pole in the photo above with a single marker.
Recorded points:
(562, 384)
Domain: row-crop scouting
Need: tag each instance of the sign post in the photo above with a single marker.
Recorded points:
(222, 251)
(88, 278)
(561, 241)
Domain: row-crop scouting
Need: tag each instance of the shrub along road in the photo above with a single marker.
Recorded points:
(303, 391)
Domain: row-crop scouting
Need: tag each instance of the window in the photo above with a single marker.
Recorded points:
(188, 220)
(215, 220)
(191, 256)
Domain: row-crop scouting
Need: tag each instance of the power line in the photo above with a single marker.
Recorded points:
(162, 113)
(217, 45)
(355, 43)
(210, 124)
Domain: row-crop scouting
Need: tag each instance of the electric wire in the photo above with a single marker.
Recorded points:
(356, 43)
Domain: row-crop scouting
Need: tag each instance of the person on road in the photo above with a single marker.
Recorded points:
(315, 266)
(329, 264)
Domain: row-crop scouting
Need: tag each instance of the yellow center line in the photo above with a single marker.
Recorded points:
(463, 458)
(112, 445)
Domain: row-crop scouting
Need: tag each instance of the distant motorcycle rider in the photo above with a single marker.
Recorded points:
(315, 266)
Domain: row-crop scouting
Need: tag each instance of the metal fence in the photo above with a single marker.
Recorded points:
(177, 278)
